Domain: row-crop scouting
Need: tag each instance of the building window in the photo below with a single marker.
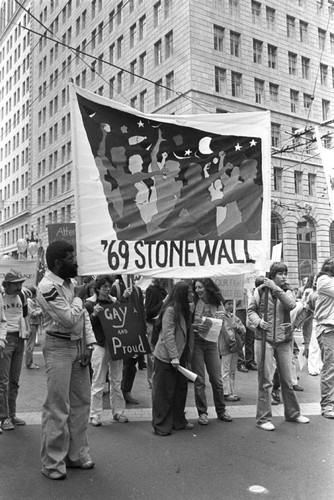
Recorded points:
(273, 92)
(307, 248)
(142, 27)
(220, 80)
(236, 80)
(119, 47)
(142, 100)
(133, 30)
(305, 68)
(169, 44)
(321, 39)
(133, 69)
(112, 53)
(307, 98)
(169, 85)
(158, 93)
(218, 38)
(133, 102)
(272, 56)
(142, 63)
(292, 63)
(290, 27)
(278, 179)
(119, 13)
(275, 135)
(235, 44)
(112, 87)
(158, 53)
(298, 182)
(270, 17)
(256, 13)
(325, 109)
(311, 184)
(157, 14)
(259, 91)
(303, 29)
(294, 100)
(323, 74)
(276, 231)
(168, 8)
(257, 51)
(233, 7)
(120, 78)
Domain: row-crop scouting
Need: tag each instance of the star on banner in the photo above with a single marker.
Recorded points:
(252, 143)
(238, 147)
(140, 124)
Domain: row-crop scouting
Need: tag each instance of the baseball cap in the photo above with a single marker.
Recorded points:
(14, 277)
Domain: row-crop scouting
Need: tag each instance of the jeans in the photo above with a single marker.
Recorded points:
(283, 356)
(10, 369)
(66, 408)
(129, 374)
(228, 365)
(326, 342)
(206, 355)
(101, 361)
(30, 345)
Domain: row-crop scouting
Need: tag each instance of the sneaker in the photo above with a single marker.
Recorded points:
(274, 402)
(232, 397)
(328, 413)
(130, 400)
(266, 426)
(300, 420)
(33, 367)
(242, 368)
(7, 425)
(189, 426)
(53, 474)
(297, 388)
(17, 421)
(95, 421)
(121, 418)
(276, 395)
(203, 419)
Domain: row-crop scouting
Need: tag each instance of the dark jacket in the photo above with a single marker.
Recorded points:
(155, 296)
(95, 320)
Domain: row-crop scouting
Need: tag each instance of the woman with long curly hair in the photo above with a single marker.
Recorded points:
(173, 348)
(208, 302)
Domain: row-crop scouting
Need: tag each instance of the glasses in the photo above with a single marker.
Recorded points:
(106, 287)
(71, 259)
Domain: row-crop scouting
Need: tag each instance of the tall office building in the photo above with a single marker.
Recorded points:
(182, 57)
(15, 159)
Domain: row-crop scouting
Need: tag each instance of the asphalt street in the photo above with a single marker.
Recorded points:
(229, 461)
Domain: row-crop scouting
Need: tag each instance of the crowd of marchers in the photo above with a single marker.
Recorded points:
(256, 333)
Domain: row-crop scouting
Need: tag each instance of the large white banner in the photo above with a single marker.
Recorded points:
(169, 196)
(28, 269)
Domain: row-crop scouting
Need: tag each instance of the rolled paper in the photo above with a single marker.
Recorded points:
(187, 373)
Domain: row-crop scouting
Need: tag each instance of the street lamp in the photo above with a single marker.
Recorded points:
(30, 243)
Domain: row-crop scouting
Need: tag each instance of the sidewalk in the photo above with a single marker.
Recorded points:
(33, 390)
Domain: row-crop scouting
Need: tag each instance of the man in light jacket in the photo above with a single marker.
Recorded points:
(69, 340)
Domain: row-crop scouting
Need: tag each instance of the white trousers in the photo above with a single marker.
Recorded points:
(101, 362)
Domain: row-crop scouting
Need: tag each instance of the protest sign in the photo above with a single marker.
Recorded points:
(64, 232)
(124, 330)
(169, 196)
(28, 269)
(231, 287)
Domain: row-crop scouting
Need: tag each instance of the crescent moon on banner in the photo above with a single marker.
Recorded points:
(204, 146)
(179, 157)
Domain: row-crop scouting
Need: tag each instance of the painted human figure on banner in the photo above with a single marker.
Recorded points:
(164, 181)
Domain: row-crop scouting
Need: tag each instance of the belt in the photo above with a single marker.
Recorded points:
(59, 335)
(13, 333)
